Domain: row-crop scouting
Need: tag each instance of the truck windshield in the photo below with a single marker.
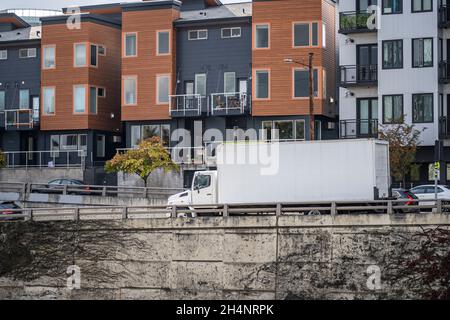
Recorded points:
(202, 181)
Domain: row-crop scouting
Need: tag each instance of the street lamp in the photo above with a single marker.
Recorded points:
(311, 90)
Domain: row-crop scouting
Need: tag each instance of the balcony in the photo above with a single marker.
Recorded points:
(358, 128)
(224, 104)
(444, 16)
(444, 128)
(354, 22)
(19, 119)
(187, 105)
(444, 71)
(358, 75)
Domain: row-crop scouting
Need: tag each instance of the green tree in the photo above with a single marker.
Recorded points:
(146, 158)
(403, 143)
(2, 159)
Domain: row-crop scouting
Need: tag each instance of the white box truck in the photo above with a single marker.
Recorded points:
(289, 172)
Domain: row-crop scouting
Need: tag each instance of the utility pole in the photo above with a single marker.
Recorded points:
(311, 92)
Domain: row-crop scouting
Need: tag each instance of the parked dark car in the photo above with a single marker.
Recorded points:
(408, 197)
(7, 208)
(57, 186)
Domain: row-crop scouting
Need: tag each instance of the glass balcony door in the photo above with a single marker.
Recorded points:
(367, 61)
(367, 116)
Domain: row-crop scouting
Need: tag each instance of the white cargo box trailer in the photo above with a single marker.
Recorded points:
(318, 171)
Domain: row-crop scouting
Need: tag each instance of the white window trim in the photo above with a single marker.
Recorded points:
(3, 54)
(75, 87)
(47, 47)
(197, 31)
(135, 79)
(28, 50)
(198, 75)
(231, 32)
(267, 26)
(159, 77)
(169, 43)
(53, 89)
(125, 44)
(225, 81)
(75, 55)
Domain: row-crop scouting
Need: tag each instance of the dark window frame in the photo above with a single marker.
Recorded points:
(432, 53)
(432, 107)
(383, 106)
(370, 3)
(422, 1)
(382, 54)
(391, 13)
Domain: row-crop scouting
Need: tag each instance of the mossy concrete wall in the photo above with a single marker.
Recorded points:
(287, 257)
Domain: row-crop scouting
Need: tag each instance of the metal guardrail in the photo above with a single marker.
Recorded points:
(388, 207)
(229, 102)
(87, 190)
(354, 21)
(358, 128)
(186, 104)
(358, 75)
(45, 159)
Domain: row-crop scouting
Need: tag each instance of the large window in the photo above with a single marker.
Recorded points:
(198, 34)
(422, 108)
(231, 32)
(229, 82)
(130, 90)
(80, 56)
(301, 83)
(79, 99)
(49, 60)
(283, 130)
(392, 6)
(422, 5)
(262, 38)
(2, 100)
(93, 100)
(306, 34)
(393, 54)
(393, 109)
(130, 44)
(200, 84)
(163, 43)
(49, 100)
(139, 133)
(422, 53)
(27, 53)
(163, 88)
(24, 99)
(262, 83)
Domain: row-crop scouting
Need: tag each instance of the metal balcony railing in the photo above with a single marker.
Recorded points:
(358, 75)
(444, 16)
(358, 128)
(444, 71)
(444, 127)
(229, 103)
(46, 159)
(354, 21)
(15, 119)
(186, 105)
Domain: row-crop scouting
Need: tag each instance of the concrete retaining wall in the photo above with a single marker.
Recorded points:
(36, 175)
(327, 257)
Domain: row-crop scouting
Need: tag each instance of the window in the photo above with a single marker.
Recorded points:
(3, 54)
(130, 91)
(324, 35)
(229, 80)
(94, 55)
(393, 109)
(301, 83)
(231, 32)
(2, 100)
(93, 100)
(393, 54)
(163, 45)
(422, 5)
(392, 6)
(54, 143)
(135, 136)
(163, 88)
(262, 36)
(79, 99)
(262, 84)
(198, 34)
(24, 99)
(101, 50)
(422, 53)
(49, 100)
(200, 84)
(101, 140)
(82, 142)
(101, 92)
(49, 57)
(130, 44)
(80, 55)
(306, 34)
(287, 130)
(68, 142)
(422, 108)
(202, 181)
(27, 53)
(139, 133)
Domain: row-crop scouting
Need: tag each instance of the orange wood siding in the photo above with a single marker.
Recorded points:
(147, 65)
(65, 76)
(281, 15)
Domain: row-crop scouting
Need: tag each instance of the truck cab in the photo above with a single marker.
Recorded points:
(203, 191)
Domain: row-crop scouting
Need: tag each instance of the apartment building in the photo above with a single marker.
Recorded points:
(390, 72)
(80, 86)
